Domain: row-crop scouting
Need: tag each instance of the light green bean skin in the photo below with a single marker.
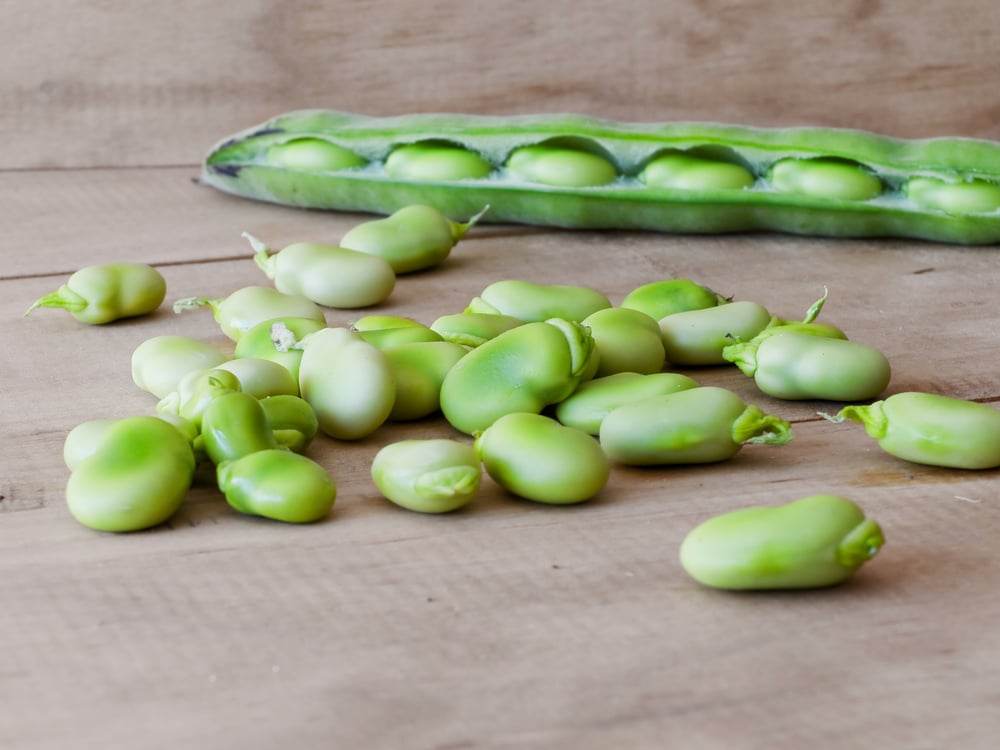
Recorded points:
(234, 425)
(532, 302)
(159, 363)
(686, 171)
(698, 337)
(279, 485)
(84, 440)
(435, 475)
(387, 331)
(325, 274)
(292, 420)
(258, 341)
(926, 428)
(313, 154)
(419, 369)
(594, 399)
(561, 167)
(537, 458)
(626, 341)
(246, 307)
(261, 377)
(814, 542)
(347, 381)
(472, 329)
(668, 296)
(797, 366)
(137, 477)
(958, 198)
(523, 369)
(432, 162)
(832, 179)
(691, 426)
(195, 392)
(104, 293)
(413, 238)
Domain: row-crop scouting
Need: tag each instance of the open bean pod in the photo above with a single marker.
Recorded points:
(577, 172)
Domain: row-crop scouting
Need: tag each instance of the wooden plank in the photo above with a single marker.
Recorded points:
(146, 83)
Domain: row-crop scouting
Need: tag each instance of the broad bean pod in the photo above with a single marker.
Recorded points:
(670, 177)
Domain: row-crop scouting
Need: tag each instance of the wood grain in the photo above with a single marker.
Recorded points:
(507, 625)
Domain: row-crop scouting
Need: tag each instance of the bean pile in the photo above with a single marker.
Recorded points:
(578, 172)
(547, 387)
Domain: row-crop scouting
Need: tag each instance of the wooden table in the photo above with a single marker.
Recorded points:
(508, 624)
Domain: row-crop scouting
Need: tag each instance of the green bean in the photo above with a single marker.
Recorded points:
(347, 381)
(105, 293)
(159, 363)
(691, 426)
(135, 478)
(279, 485)
(626, 341)
(811, 181)
(430, 161)
(685, 170)
(593, 400)
(814, 542)
(272, 338)
(927, 428)
(246, 307)
(537, 458)
(262, 377)
(532, 302)
(292, 420)
(413, 238)
(234, 425)
(796, 366)
(472, 329)
(418, 369)
(435, 475)
(196, 391)
(327, 275)
(312, 154)
(386, 331)
(524, 369)
(661, 298)
(698, 337)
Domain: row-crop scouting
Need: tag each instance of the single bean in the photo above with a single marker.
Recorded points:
(313, 155)
(136, 478)
(594, 399)
(347, 381)
(279, 485)
(969, 196)
(626, 341)
(698, 337)
(661, 298)
(418, 369)
(833, 179)
(686, 171)
(159, 363)
(436, 475)
(814, 542)
(262, 377)
(532, 302)
(524, 369)
(825, 177)
(234, 425)
(327, 275)
(195, 392)
(272, 339)
(105, 293)
(561, 167)
(386, 331)
(537, 458)
(472, 329)
(246, 307)
(927, 428)
(292, 420)
(413, 238)
(435, 161)
(692, 426)
(796, 366)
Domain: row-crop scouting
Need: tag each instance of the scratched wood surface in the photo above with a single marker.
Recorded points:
(508, 624)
